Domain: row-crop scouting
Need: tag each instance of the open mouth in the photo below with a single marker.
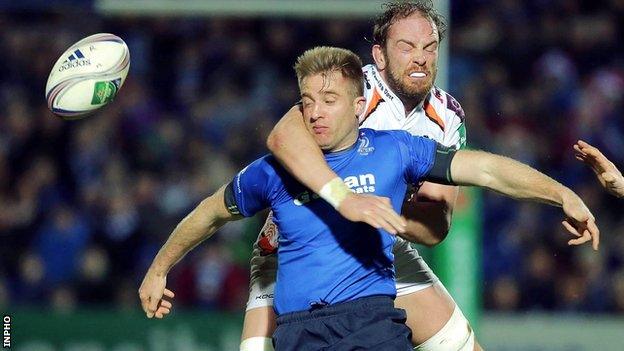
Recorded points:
(418, 75)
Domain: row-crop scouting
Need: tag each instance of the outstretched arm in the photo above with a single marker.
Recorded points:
(520, 181)
(293, 146)
(196, 227)
(608, 175)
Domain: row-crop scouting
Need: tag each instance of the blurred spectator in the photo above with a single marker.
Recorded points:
(60, 243)
(94, 286)
(31, 288)
(63, 299)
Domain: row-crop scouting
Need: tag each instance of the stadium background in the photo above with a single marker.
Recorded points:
(85, 205)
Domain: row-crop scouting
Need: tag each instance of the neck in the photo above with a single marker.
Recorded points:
(346, 142)
(409, 104)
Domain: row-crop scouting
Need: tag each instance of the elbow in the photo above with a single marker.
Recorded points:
(439, 234)
(429, 234)
(275, 140)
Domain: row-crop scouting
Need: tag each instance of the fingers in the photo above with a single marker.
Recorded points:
(373, 210)
(591, 153)
(169, 293)
(581, 240)
(578, 150)
(165, 304)
(381, 219)
(595, 234)
(570, 229)
(397, 223)
(583, 143)
(163, 310)
(156, 307)
(144, 301)
(152, 306)
(589, 231)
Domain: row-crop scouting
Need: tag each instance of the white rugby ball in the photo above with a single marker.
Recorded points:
(87, 76)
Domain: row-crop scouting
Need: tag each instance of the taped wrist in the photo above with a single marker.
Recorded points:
(257, 343)
(334, 192)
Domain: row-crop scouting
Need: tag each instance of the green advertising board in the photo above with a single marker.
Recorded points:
(99, 330)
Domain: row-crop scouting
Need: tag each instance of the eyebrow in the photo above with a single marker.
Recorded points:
(435, 41)
(329, 92)
(406, 42)
(323, 92)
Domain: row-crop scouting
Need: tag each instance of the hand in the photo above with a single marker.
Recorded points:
(608, 175)
(151, 294)
(579, 222)
(373, 210)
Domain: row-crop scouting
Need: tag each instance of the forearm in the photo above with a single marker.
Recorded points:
(196, 227)
(506, 176)
(428, 223)
(293, 146)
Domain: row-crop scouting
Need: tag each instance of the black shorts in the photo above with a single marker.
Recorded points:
(370, 323)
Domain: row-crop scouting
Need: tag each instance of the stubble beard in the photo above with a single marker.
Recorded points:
(409, 95)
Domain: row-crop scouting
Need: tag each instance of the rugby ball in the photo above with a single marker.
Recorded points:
(87, 76)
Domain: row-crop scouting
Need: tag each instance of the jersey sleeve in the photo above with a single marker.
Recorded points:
(455, 136)
(417, 155)
(251, 189)
(425, 159)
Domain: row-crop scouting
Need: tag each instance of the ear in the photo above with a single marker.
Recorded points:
(379, 57)
(359, 104)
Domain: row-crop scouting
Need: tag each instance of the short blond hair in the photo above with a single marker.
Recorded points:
(327, 59)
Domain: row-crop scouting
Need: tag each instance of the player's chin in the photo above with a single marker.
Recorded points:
(419, 86)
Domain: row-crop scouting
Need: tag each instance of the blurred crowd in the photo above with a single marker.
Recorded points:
(85, 205)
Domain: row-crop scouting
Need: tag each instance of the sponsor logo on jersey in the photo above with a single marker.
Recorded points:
(363, 183)
(360, 184)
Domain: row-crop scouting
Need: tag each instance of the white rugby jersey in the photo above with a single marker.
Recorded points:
(438, 117)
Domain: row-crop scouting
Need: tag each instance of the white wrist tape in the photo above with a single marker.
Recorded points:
(334, 192)
(257, 343)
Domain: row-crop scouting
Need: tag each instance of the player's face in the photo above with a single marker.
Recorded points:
(410, 58)
(330, 110)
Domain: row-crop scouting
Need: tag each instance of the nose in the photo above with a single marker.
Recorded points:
(316, 112)
(419, 57)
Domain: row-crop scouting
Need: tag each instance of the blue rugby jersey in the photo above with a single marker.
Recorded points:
(323, 258)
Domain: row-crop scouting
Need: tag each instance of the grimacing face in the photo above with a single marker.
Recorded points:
(409, 62)
(330, 110)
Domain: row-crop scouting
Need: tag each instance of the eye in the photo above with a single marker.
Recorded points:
(404, 47)
(431, 47)
(330, 101)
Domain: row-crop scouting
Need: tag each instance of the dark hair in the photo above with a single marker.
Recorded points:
(325, 59)
(398, 10)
